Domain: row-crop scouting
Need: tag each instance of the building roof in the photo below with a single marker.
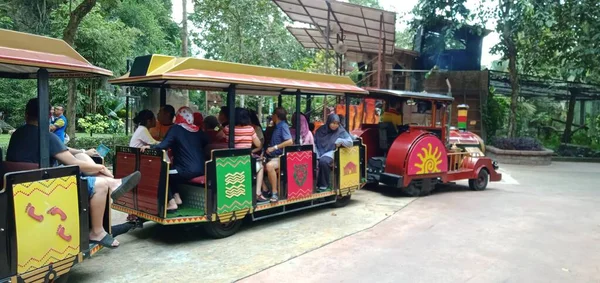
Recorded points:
(193, 73)
(361, 26)
(22, 55)
(409, 94)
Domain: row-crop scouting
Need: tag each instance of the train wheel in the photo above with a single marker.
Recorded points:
(218, 230)
(341, 201)
(412, 190)
(481, 182)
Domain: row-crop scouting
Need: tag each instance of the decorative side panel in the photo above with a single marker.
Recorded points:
(234, 183)
(299, 174)
(428, 156)
(47, 222)
(349, 168)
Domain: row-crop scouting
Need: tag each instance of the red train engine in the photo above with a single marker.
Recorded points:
(412, 149)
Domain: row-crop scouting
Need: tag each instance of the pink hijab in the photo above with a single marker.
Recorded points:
(306, 136)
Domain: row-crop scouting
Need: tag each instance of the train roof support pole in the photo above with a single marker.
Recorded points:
(347, 118)
(280, 101)
(231, 106)
(163, 96)
(297, 120)
(43, 109)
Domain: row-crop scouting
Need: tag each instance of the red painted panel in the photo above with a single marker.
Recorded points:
(147, 191)
(398, 152)
(125, 164)
(370, 138)
(300, 174)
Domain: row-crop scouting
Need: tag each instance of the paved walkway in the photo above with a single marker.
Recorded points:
(540, 225)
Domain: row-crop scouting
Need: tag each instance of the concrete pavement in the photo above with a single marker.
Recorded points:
(183, 254)
(542, 227)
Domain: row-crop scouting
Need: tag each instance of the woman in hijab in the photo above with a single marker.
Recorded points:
(306, 137)
(187, 143)
(327, 139)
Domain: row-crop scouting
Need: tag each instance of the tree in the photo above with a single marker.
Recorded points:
(510, 22)
(69, 33)
(561, 40)
(249, 32)
(405, 39)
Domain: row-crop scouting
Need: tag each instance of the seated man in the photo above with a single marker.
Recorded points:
(280, 139)
(393, 113)
(23, 148)
(165, 117)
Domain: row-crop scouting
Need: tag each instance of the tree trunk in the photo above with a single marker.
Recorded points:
(184, 30)
(514, 84)
(566, 138)
(69, 33)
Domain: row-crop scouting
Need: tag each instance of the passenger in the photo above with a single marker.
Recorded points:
(280, 139)
(144, 120)
(306, 137)
(23, 148)
(327, 138)
(199, 120)
(210, 128)
(257, 126)
(187, 143)
(224, 116)
(165, 121)
(245, 135)
(392, 114)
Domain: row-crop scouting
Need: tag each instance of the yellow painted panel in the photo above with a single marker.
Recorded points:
(47, 222)
(349, 167)
(159, 64)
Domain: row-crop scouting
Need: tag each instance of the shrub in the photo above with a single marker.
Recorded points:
(521, 143)
(93, 142)
(100, 124)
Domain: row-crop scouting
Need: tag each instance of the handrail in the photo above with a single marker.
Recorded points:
(456, 160)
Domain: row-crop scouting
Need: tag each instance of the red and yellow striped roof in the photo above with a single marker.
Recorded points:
(191, 73)
(23, 54)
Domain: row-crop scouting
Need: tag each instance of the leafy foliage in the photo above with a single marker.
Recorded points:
(100, 124)
(92, 142)
(495, 115)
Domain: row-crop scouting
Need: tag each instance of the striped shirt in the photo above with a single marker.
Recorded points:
(243, 136)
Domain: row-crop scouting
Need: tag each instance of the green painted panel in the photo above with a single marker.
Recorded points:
(234, 183)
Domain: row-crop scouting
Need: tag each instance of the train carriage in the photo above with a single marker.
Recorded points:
(225, 195)
(424, 151)
(44, 227)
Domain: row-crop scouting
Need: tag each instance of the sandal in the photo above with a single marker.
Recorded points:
(127, 184)
(261, 199)
(106, 242)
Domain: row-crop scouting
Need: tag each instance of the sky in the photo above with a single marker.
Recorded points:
(401, 7)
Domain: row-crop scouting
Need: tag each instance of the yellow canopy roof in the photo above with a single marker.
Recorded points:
(23, 54)
(191, 73)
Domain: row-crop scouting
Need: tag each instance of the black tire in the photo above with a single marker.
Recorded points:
(341, 201)
(218, 230)
(481, 182)
(412, 190)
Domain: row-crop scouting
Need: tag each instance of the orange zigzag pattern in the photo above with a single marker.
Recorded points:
(232, 161)
(60, 186)
(76, 248)
(301, 193)
(237, 205)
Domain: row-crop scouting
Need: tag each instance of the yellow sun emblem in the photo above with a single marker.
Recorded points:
(430, 160)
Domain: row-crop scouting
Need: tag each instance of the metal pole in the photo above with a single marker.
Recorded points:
(280, 101)
(231, 106)
(327, 40)
(347, 118)
(379, 60)
(308, 104)
(163, 96)
(127, 115)
(44, 107)
(297, 122)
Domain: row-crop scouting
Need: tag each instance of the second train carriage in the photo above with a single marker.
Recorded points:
(225, 195)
